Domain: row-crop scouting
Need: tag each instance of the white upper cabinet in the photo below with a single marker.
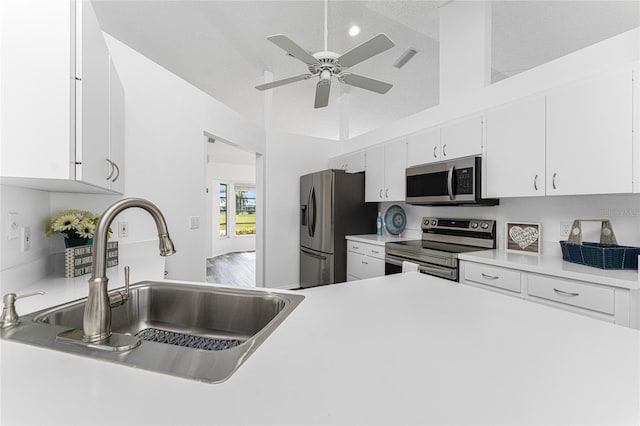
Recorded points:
(461, 139)
(92, 98)
(514, 158)
(55, 96)
(423, 147)
(385, 172)
(116, 132)
(351, 163)
(589, 136)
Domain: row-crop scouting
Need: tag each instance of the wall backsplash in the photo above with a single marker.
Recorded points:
(622, 210)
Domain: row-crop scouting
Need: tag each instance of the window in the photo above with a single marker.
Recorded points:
(223, 210)
(245, 210)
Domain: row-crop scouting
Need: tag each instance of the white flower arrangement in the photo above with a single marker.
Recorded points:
(73, 224)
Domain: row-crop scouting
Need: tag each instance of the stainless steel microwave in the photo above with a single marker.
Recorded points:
(447, 183)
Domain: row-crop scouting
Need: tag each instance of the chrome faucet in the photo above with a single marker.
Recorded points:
(97, 312)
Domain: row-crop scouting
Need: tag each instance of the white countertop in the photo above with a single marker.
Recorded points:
(380, 240)
(400, 349)
(554, 265)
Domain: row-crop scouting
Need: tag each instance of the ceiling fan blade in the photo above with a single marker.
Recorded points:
(322, 93)
(366, 50)
(365, 83)
(282, 82)
(289, 46)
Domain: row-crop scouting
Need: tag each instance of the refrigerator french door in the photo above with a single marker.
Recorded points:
(331, 206)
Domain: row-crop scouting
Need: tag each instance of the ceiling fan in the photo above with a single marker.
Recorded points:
(326, 64)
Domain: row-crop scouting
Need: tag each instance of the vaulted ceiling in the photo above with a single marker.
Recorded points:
(221, 48)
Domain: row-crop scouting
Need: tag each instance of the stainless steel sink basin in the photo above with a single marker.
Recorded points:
(199, 332)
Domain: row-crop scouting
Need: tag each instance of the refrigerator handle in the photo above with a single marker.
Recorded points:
(312, 220)
(303, 215)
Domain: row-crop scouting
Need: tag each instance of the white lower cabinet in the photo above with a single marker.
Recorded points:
(611, 304)
(364, 260)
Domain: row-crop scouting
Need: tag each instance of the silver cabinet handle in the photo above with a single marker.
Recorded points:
(364, 263)
(435, 152)
(375, 251)
(553, 181)
(386, 193)
(117, 172)
(489, 277)
(355, 247)
(112, 169)
(380, 193)
(444, 148)
(564, 293)
(535, 182)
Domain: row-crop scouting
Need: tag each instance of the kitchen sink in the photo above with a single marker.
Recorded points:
(194, 331)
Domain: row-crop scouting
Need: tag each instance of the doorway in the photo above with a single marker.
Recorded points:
(233, 203)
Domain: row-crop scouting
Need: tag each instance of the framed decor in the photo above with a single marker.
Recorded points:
(523, 237)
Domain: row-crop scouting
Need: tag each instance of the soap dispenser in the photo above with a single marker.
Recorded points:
(379, 224)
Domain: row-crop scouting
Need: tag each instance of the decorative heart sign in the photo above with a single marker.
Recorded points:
(524, 237)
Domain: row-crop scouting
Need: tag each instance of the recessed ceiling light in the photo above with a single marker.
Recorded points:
(354, 30)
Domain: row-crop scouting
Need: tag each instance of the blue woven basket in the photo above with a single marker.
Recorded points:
(603, 256)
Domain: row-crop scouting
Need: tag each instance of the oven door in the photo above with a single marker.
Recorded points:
(393, 265)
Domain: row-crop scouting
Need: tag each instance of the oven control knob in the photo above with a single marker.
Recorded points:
(485, 225)
(474, 225)
(433, 222)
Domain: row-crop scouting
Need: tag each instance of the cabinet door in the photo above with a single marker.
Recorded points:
(515, 150)
(395, 164)
(354, 162)
(337, 163)
(92, 98)
(589, 137)
(461, 139)
(374, 174)
(36, 89)
(116, 130)
(423, 147)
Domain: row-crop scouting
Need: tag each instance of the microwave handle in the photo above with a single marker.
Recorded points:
(450, 182)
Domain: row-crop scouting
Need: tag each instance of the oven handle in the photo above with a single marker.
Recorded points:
(450, 182)
(438, 271)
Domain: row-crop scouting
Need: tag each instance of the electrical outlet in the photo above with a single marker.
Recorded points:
(565, 228)
(194, 222)
(123, 229)
(25, 239)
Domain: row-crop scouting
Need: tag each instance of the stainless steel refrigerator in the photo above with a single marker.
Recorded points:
(331, 206)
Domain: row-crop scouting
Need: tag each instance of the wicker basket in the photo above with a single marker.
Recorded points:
(606, 254)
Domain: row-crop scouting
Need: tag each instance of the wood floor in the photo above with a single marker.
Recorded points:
(233, 269)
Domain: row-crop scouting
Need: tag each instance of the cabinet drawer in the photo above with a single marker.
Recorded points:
(506, 279)
(374, 251)
(364, 267)
(355, 247)
(600, 299)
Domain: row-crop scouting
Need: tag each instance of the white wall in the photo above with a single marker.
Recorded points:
(288, 157)
(32, 207)
(166, 118)
(622, 210)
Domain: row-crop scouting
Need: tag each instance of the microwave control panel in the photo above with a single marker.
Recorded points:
(464, 180)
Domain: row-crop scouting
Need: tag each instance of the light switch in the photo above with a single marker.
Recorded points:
(13, 228)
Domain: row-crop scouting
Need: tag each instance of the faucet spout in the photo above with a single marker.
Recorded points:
(97, 312)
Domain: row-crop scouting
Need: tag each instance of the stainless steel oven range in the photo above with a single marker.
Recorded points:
(442, 240)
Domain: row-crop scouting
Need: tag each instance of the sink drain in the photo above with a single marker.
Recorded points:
(186, 340)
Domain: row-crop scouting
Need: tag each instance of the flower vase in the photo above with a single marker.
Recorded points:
(76, 242)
